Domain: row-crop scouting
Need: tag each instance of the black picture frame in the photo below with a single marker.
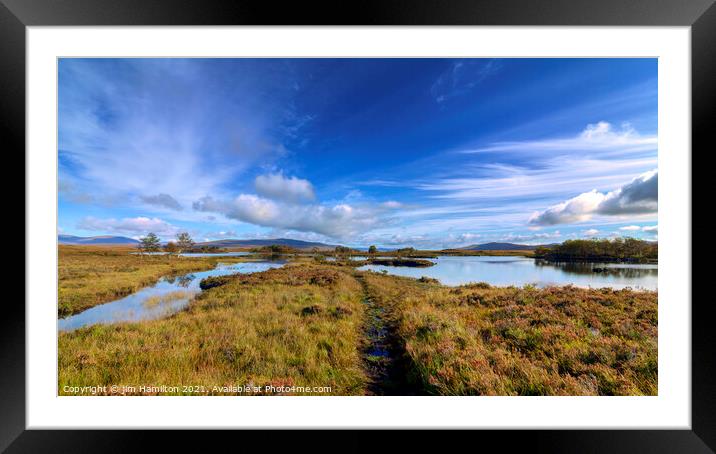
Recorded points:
(700, 15)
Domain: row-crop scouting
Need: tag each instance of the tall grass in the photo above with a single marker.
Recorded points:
(478, 339)
(291, 326)
(305, 325)
(89, 275)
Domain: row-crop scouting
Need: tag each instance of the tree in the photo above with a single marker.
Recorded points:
(372, 250)
(184, 242)
(149, 243)
(342, 250)
(171, 247)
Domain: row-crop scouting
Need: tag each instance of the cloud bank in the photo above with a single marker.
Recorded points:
(336, 221)
(640, 196)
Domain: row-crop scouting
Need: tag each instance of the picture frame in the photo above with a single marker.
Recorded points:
(16, 15)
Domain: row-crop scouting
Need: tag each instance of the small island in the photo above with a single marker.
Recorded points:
(619, 250)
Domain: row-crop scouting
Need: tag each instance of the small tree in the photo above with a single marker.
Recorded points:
(342, 250)
(184, 242)
(149, 243)
(372, 250)
(171, 247)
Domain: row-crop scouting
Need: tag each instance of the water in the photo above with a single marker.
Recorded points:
(197, 254)
(214, 254)
(357, 257)
(167, 296)
(505, 271)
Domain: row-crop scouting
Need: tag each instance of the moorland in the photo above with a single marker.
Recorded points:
(319, 324)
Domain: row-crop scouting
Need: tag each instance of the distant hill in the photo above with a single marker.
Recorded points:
(502, 247)
(90, 240)
(298, 244)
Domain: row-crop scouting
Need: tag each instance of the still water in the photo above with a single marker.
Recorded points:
(505, 271)
(197, 254)
(214, 254)
(167, 296)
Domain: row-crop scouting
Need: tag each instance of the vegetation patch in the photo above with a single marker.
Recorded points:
(604, 250)
(89, 275)
(418, 263)
(287, 328)
(350, 332)
(482, 340)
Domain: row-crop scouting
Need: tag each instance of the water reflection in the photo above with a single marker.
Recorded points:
(167, 296)
(505, 271)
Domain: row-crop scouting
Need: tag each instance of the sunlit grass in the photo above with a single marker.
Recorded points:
(305, 325)
(478, 339)
(88, 275)
(284, 326)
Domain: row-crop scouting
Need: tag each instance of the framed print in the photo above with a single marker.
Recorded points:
(475, 216)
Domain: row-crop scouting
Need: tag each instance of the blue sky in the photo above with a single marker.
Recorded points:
(393, 152)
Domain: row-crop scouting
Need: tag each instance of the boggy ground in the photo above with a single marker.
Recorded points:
(482, 340)
(88, 276)
(354, 333)
(293, 326)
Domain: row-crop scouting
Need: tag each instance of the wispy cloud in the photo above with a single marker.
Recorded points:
(600, 137)
(355, 151)
(129, 226)
(462, 77)
(153, 129)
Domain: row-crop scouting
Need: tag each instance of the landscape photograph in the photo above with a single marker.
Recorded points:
(357, 227)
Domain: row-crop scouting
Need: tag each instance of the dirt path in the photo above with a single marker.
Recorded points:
(382, 354)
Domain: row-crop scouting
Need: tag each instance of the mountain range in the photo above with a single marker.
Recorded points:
(298, 244)
(502, 247)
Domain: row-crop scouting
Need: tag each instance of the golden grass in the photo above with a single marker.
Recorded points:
(89, 275)
(304, 325)
(291, 326)
(478, 339)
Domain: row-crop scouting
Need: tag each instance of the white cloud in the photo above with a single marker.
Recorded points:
(640, 196)
(650, 229)
(129, 226)
(576, 209)
(336, 221)
(590, 232)
(278, 187)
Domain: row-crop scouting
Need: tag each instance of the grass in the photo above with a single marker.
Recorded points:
(306, 325)
(88, 276)
(482, 340)
(291, 326)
